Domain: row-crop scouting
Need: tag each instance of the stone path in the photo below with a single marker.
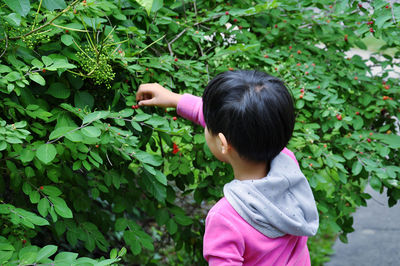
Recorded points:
(376, 239)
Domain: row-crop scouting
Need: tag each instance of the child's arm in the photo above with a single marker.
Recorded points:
(188, 106)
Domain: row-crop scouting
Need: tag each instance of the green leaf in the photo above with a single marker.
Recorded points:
(46, 153)
(161, 178)
(43, 207)
(22, 7)
(54, 4)
(61, 207)
(34, 196)
(91, 131)
(375, 183)
(67, 39)
(172, 227)
(356, 168)
(145, 157)
(46, 252)
(122, 252)
(14, 19)
(183, 220)
(59, 90)
(36, 77)
(61, 131)
(3, 145)
(132, 240)
(348, 154)
(83, 99)
(147, 4)
(392, 140)
(95, 116)
(27, 155)
(51, 191)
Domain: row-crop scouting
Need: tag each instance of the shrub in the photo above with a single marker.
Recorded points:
(84, 171)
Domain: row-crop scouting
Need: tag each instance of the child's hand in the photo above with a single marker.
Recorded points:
(153, 94)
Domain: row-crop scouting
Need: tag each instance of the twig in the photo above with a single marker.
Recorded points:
(182, 32)
(37, 13)
(5, 48)
(48, 23)
(393, 17)
(66, 28)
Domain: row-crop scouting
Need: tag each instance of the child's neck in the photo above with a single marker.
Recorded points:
(245, 170)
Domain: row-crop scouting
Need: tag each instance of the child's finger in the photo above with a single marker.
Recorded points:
(150, 102)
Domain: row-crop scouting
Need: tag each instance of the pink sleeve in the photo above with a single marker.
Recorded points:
(223, 244)
(191, 108)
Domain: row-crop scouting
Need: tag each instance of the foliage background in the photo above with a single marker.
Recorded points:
(85, 172)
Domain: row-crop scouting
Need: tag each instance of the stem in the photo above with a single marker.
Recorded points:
(5, 48)
(48, 23)
(66, 28)
(37, 13)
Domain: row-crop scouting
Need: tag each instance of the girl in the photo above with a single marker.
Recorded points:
(268, 210)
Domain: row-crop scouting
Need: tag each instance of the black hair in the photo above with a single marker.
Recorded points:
(253, 110)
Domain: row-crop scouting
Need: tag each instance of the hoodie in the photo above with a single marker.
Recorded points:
(278, 204)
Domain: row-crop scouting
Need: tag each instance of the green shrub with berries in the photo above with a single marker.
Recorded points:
(89, 178)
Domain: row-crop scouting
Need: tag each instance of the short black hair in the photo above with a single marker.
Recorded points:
(253, 110)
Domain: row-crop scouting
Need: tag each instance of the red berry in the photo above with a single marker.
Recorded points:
(301, 96)
(371, 29)
(284, 21)
(230, 69)
(357, 113)
(119, 133)
(240, 27)
(385, 97)
(311, 164)
(79, 109)
(133, 106)
(276, 26)
(339, 117)
(355, 78)
(276, 69)
(41, 187)
(383, 82)
(387, 6)
(298, 64)
(359, 5)
(313, 64)
(66, 31)
(147, 69)
(325, 146)
(176, 59)
(84, 1)
(290, 47)
(226, 13)
(176, 17)
(23, 241)
(370, 133)
(97, 146)
(306, 72)
(44, 70)
(369, 140)
(302, 90)
(174, 118)
(266, 56)
(235, 20)
(298, 51)
(318, 87)
(330, 6)
(387, 87)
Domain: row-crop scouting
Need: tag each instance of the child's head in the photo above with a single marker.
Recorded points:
(253, 110)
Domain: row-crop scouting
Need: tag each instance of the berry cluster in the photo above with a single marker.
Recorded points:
(175, 148)
(96, 65)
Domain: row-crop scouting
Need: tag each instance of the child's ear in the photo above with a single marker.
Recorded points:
(223, 144)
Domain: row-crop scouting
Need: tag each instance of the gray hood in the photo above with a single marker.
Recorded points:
(278, 204)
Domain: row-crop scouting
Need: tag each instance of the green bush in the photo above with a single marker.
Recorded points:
(84, 171)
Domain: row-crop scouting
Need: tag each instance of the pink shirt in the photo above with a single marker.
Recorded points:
(229, 239)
